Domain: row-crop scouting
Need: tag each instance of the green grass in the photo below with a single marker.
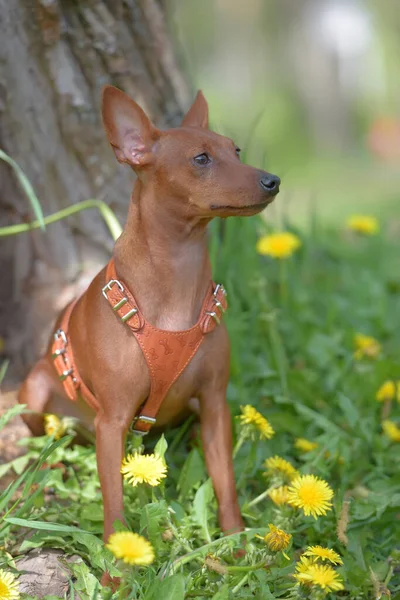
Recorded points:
(291, 326)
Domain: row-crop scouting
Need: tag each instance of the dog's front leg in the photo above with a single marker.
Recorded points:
(216, 436)
(110, 440)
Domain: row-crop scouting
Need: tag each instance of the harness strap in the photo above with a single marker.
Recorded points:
(64, 363)
(167, 353)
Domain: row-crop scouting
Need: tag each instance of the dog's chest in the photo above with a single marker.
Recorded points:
(185, 387)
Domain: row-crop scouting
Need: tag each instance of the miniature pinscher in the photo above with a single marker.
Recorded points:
(145, 343)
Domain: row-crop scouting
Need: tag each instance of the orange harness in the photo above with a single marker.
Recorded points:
(167, 353)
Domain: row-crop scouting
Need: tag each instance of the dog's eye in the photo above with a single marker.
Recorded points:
(238, 151)
(202, 159)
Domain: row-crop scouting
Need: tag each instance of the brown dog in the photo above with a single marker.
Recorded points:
(185, 177)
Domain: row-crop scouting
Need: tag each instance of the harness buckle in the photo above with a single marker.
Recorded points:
(109, 285)
(214, 316)
(218, 288)
(128, 315)
(65, 374)
(143, 419)
(60, 335)
(58, 352)
(219, 305)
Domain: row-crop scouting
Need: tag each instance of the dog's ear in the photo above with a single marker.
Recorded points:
(128, 129)
(197, 115)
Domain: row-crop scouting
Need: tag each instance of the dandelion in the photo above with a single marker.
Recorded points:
(277, 539)
(53, 426)
(391, 430)
(364, 224)
(305, 445)
(324, 554)
(366, 346)
(143, 468)
(9, 586)
(323, 576)
(302, 566)
(278, 245)
(389, 390)
(311, 494)
(251, 416)
(132, 548)
(279, 495)
(280, 468)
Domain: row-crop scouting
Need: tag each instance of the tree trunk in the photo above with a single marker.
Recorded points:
(55, 57)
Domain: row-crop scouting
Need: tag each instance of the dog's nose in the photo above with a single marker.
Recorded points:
(270, 183)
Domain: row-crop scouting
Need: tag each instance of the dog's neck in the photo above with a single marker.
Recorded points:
(162, 256)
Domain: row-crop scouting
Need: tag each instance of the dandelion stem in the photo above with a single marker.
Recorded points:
(142, 495)
(247, 568)
(262, 496)
(283, 282)
(239, 443)
(251, 456)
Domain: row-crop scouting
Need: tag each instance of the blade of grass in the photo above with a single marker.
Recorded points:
(28, 477)
(3, 369)
(108, 215)
(12, 488)
(11, 413)
(27, 187)
(44, 526)
(47, 451)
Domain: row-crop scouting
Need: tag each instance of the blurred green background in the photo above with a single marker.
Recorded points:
(309, 89)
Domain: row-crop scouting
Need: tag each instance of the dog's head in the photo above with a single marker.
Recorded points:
(195, 170)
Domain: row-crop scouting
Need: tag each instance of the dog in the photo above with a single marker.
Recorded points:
(146, 344)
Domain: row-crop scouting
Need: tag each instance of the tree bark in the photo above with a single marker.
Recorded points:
(55, 57)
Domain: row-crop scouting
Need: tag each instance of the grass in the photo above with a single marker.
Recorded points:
(291, 325)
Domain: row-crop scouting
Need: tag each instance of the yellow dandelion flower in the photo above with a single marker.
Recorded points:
(251, 416)
(324, 554)
(132, 548)
(302, 566)
(278, 245)
(53, 426)
(366, 346)
(391, 430)
(279, 495)
(279, 467)
(389, 390)
(9, 586)
(311, 494)
(277, 539)
(143, 468)
(323, 576)
(363, 224)
(305, 445)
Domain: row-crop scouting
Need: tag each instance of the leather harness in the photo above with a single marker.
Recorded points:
(167, 353)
